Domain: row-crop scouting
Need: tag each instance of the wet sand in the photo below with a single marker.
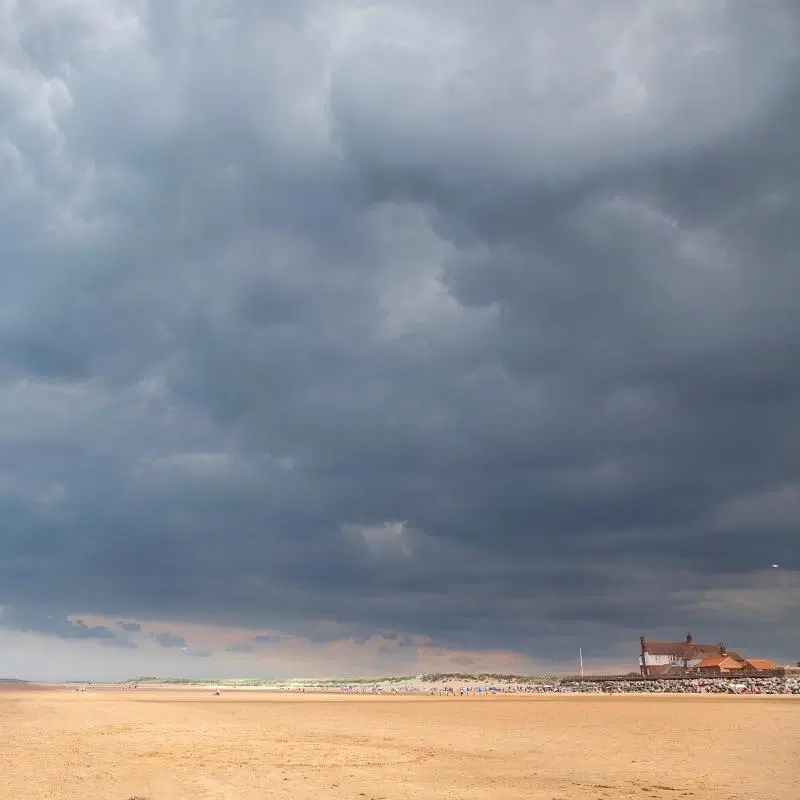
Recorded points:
(163, 745)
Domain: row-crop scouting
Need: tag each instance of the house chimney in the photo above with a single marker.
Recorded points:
(643, 666)
(723, 651)
(688, 638)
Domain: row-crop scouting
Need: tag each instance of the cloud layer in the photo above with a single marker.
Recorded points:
(333, 319)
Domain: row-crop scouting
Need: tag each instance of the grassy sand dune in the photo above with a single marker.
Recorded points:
(384, 682)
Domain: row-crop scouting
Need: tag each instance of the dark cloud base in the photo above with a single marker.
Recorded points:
(429, 325)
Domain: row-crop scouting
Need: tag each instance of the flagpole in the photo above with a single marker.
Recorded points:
(580, 655)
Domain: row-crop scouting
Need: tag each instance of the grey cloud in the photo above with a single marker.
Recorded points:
(129, 627)
(399, 642)
(410, 111)
(244, 647)
(54, 624)
(399, 639)
(166, 639)
(443, 321)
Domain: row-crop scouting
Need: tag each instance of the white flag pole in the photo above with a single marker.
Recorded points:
(580, 655)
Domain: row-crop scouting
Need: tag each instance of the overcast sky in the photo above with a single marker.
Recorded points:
(346, 337)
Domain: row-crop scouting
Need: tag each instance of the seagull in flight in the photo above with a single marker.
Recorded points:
(775, 566)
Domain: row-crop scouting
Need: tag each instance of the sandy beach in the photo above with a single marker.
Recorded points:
(109, 744)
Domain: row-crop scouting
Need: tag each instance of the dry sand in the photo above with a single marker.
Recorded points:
(161, 744)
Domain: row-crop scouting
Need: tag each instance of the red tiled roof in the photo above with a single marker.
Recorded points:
(685, 650)
(759, 663)
(718, 660)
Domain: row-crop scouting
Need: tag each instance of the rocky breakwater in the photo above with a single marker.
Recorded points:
(696, 686)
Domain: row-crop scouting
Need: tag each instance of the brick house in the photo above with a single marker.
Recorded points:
(677, 659)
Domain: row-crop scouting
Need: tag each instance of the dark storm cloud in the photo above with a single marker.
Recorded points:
(413, 317)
